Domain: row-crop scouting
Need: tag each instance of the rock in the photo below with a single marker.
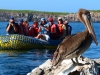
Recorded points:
(43, 69)
(36, 71)
(72, 17)
(86, 67)
(47, 65)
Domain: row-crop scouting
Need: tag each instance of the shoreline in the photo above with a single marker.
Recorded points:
(32, 15)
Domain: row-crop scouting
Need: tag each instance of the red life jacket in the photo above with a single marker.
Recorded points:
(33, 31)
(54, 31)
(53, 28)
(26, 30)
(21, 29)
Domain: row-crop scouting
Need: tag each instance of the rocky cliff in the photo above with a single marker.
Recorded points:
(30, 16)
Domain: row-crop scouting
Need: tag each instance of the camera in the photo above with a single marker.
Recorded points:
(45, 25)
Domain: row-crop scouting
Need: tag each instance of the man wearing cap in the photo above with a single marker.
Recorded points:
(54, 31)
(12, 27)
(21, 27)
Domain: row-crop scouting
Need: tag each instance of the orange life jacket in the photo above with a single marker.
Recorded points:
(60, 29)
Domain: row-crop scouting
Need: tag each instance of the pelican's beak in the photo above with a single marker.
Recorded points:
(88, 21)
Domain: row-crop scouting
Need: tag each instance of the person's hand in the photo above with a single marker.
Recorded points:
(30, 28)
(11, 24)
(45, 27)
(40, 27)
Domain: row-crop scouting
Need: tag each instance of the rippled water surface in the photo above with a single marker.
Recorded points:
(21, 62)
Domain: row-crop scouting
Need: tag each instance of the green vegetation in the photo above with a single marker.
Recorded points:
(33, 11)
(95, 11)
(39, 12)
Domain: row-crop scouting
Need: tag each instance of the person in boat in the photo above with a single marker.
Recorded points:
(54, 31)
(43, 30)
(26, 27)
(21, 27)
(34, 30)
(62, 28)
(12, 27)
(68, 28)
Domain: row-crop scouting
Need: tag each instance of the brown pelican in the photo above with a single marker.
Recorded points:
(74, 45)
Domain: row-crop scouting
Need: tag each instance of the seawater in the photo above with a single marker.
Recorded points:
(20, 62)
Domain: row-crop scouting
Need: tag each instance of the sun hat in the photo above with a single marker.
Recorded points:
(59, 18)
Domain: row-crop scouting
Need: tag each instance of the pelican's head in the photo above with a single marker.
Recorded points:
(85, 17)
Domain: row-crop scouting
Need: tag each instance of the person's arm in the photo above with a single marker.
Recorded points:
(15, 28)
(39, 29)
(8, 27)
(47, 28)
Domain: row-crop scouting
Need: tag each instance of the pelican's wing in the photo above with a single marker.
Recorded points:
(68, 45)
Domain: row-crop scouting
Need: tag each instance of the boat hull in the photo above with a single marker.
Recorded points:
(21, 42)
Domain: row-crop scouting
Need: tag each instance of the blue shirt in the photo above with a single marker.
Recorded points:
(43, 30)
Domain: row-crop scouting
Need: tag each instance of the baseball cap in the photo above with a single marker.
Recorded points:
(20, 20)
(11, 17)
(42, 19)
(50, 19)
